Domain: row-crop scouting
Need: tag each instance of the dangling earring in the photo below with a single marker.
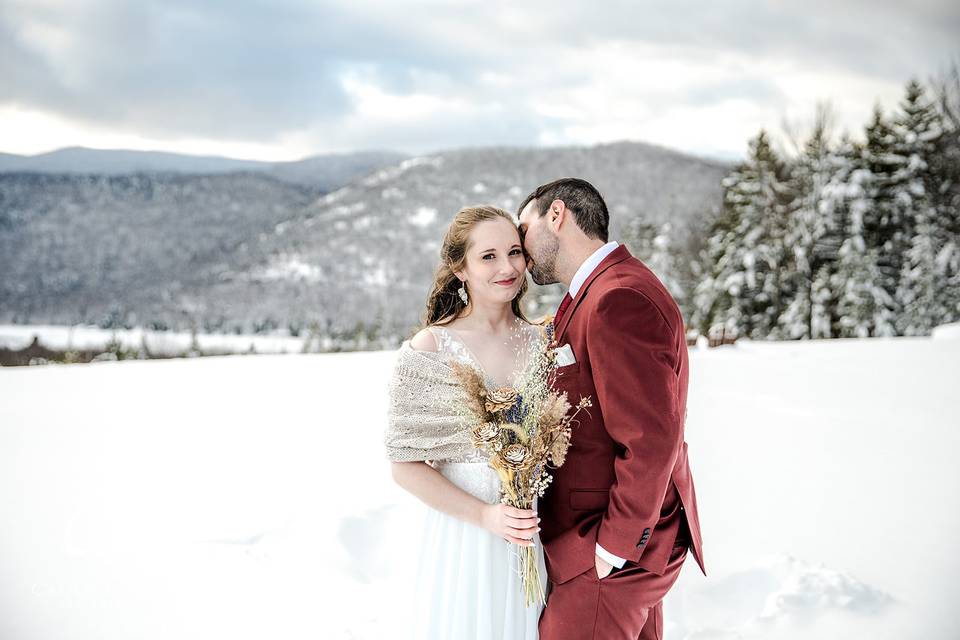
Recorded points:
(462, 291)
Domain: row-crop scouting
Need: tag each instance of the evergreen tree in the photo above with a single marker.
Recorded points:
(806, 276)
(886, 219)
(711, 296)
(917, 130)
(663, 261)
(945, 170)
(839, 195)
(864, 306)
(745, 249)
(861, 240)
(655, 246)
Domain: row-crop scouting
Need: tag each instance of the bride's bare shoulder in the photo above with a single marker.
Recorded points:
(424, 341)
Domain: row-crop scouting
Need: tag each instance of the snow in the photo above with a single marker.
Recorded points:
(79, 337)
(286, 267)
(249, 497)
(391, 173)
(424, 216)
(376, 277)
(392, 193)
(947, 331)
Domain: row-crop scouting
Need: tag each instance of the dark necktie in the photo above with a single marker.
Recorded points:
(562, 309)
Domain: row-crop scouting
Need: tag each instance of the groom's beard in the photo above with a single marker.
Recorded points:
(544, 267)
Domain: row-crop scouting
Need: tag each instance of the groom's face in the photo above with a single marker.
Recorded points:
(540, 244)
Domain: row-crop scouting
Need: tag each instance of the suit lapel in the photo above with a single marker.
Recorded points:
(617, 255)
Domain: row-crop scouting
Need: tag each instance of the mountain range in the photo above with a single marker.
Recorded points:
(201, 242)
(324, 172)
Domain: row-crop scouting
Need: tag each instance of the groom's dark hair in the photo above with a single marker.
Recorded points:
(581, 197)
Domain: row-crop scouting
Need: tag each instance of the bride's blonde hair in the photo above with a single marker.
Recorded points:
(444, 304)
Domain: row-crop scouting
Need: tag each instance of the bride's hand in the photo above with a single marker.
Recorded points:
(513, 525)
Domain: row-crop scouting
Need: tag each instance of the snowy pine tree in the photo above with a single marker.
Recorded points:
(861, 240)
(917, 129)
(655, 246)
(886, 221)
(806, 273)
(945, 169)
(838, 197)
(663, 260)
(713, 295)
(864, 305)
(745, 249)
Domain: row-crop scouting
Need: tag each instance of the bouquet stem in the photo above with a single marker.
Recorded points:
(532, 585)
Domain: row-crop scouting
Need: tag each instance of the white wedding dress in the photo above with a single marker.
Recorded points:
(467, 583)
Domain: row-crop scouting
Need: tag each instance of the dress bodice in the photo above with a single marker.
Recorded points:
(523, 342)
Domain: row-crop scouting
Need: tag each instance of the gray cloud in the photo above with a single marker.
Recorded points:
(219, 69)
(254, 71)
(887, 38)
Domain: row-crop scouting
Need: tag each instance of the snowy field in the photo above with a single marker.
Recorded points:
(248, 496)
(62, 337)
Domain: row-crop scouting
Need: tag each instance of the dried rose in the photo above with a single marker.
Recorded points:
(514, 455)
(486, 432)
(501, 398)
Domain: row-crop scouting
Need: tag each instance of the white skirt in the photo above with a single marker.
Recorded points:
(467, 581)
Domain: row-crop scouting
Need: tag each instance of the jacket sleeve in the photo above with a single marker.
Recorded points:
(634, 362)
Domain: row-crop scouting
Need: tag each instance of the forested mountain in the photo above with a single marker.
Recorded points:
(247, 252)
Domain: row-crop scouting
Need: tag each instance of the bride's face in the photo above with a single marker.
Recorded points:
(495, 265)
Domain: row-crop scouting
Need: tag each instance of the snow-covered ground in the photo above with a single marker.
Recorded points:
(64, 337)
(248, 497)
(15, 336)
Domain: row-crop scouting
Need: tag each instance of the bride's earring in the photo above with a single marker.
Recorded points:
(462, 291)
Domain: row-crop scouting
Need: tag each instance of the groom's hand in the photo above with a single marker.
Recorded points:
(603, 567)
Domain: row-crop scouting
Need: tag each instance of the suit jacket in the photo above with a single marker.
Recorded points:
(626, 482)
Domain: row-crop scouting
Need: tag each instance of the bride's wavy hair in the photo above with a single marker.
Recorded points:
(444, 304)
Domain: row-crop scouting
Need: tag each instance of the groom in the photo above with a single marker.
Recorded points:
(621, 512)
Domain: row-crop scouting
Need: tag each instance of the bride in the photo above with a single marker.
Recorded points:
(467, 583)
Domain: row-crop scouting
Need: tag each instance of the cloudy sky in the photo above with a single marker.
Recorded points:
(282, 79)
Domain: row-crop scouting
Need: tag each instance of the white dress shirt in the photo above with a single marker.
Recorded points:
(589, 265)
(579, 278)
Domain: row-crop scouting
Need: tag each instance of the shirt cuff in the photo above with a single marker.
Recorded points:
(616, 561)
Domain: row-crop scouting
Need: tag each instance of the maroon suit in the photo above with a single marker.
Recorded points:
(626, 483)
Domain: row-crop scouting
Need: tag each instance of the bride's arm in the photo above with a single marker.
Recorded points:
(431, 487)
(426, 483)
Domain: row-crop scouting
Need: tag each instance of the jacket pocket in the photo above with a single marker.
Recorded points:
(568, 371)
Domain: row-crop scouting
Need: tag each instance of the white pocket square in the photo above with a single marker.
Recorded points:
(564, 356)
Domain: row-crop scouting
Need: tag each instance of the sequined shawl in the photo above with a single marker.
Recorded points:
(422, 422)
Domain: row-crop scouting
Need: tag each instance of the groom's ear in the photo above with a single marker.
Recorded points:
(557, 214)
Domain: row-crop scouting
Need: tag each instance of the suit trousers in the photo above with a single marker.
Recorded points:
(625, 605)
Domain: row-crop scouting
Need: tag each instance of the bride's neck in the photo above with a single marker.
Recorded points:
(492, 319)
